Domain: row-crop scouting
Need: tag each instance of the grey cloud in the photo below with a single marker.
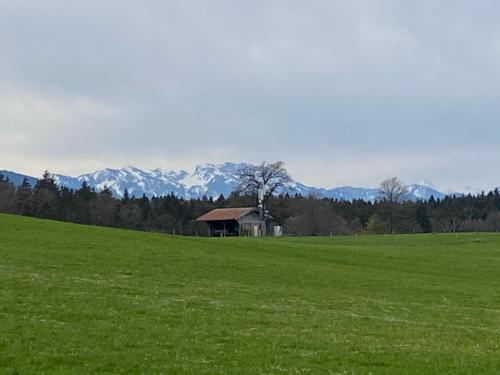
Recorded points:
(159, 82)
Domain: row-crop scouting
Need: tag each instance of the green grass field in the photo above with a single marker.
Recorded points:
(79, 300)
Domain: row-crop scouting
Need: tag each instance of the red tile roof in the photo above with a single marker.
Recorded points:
(226, 214)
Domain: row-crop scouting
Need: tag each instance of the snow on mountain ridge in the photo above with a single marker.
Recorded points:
(424, 192)
(214, 180)
(426, 183)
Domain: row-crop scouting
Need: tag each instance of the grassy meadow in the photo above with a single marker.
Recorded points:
(79, 300)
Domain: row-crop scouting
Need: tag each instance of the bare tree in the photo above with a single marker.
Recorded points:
(492, 222)
(269, 176)
(394, 192)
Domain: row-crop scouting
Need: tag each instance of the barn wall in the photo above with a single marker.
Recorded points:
(251, 218)
(247, 223)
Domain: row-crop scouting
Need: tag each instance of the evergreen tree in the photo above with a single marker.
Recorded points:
(126, 196)
(105, 209)
(7, 195)
(423, 219)
(24, 198)
(46, 197)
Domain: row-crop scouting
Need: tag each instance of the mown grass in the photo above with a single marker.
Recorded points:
(77, 299)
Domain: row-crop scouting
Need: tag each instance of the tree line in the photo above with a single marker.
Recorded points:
(307, 216)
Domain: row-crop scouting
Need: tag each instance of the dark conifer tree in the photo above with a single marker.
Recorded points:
(126, 196)
(423, 219)
(24, 198)
(7, 195)
(46, 197)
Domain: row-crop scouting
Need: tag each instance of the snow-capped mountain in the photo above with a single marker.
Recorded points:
(424, 190)
(210, 180)
(17, 178)
(465, 190)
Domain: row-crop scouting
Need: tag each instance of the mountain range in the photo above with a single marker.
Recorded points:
(208, 180)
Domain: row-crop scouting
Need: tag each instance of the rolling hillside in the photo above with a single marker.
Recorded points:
(78, 299)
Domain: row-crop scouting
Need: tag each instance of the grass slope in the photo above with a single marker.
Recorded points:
(77, 299)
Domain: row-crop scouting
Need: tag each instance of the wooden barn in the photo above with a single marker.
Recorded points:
(244, 221)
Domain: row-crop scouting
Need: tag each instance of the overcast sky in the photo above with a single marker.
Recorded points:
(345, 92)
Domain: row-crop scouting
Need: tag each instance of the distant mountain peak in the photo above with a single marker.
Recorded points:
(213, 179)
(426, 183)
